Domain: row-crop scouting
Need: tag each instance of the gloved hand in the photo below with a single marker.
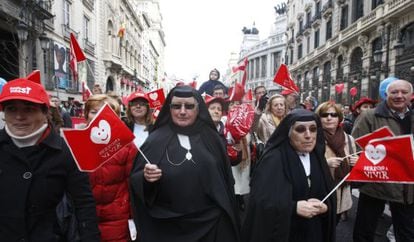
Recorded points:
(262, 102)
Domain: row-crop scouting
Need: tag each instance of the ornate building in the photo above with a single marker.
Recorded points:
(264, 56)
(354, 42)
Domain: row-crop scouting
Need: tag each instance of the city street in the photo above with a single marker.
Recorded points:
(344, 229)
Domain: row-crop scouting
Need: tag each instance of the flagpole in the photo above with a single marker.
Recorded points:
(339, 184)
(343, 180)
(145, 158)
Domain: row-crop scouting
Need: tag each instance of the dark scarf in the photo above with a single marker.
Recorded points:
(336, 142)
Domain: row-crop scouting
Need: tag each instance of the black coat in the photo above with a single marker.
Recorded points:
(32, 182)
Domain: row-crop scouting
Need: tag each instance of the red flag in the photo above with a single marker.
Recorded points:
(86, 92)
(193, 84)
(76, 55)
(240, 120)
(386, 160)
(353, 91)
(283, 78)
(339, 87)
(241, 67)
(156, 98)
(34, 76)
(376, 134)
(99, 141)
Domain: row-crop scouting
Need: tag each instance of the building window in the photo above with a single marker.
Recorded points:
(358, 9)
(316, 39)
(376, 3)
(66, 13)
(307, 44)
(308, 17)
(300, 26)
(276, 61)
(264, 65)
(344, 17)
(257, 68)
(317, 8)
(328, 29)
(299, 51)
(86, 27)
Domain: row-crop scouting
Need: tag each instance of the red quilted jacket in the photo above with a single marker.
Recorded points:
(110, 186)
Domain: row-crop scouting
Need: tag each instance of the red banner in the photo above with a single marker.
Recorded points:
(283, 78)
(99, 141)
(376, 134)
(240, 120)
(386, 160)
(156, 98)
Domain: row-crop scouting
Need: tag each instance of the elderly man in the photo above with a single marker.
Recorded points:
(36, 170)
(186, 194)
(395, 113)
(289, 182)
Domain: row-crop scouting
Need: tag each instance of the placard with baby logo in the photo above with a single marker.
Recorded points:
(156, 98)
(99, 141)
(386, 160)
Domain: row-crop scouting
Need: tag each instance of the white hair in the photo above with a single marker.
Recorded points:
(393, 82)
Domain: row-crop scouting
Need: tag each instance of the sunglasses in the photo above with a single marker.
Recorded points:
(140, 103)
(187, 106)
(325, 115)
(302, 129)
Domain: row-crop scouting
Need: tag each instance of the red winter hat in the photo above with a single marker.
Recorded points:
(286, 92)
(136, 95)
(362, 101)
(23, 89)
(210, 99)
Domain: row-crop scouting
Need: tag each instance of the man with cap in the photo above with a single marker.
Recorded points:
(395, 113)
(186, 193)
(208, 86)
(36, 170)
(291, 97)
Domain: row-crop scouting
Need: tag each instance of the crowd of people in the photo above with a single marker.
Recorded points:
(198, 172)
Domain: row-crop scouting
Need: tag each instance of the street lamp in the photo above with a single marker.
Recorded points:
(399, 48)
(44, 41)
(22, 32)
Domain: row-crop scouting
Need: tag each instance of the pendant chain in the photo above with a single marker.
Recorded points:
(180, 163)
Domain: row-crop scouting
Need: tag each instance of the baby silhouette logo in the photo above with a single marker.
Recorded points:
(375, 154)
(96, 144)
(102, 133)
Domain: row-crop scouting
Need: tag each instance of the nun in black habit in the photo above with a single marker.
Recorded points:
(290, 180)
(186, 195)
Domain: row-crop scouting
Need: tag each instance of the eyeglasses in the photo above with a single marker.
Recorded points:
(187, 106)
(302, 129)
(325, 115)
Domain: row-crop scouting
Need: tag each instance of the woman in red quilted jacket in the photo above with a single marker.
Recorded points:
(110, 183)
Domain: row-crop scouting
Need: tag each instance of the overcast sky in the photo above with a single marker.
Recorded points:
(200, 35)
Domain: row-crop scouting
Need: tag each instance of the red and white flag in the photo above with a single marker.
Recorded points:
(386, 160)
(242, 67)
(77, 61)
(156, 98)
(105, 135)
(86, 92)
(283, 78)
(376, 134)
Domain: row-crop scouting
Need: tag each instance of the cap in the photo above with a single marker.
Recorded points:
(136, 95)
(210, 99)
(286, 92)
(23, 89)
(363, 100)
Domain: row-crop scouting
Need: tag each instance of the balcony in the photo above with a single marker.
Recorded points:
(307, 29)
(89, 47)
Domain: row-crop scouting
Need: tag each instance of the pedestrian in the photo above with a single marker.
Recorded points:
(36, 170)
(395, 113)
(139, 117)
(110, 182)
(276, 110)
(186, 193)
(208, 86)
(288, 184)
(338, 146)
(291, 98)
(219, 91)
(360, 106)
